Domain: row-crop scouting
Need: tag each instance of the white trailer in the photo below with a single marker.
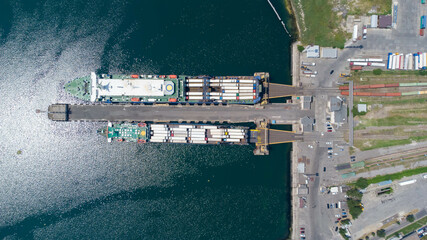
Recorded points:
(376, 64)
(356, 60)
(374, 59)
(407, 182)
(355, 33)
(360, 64)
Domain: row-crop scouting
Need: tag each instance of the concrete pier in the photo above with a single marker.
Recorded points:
(281, 113)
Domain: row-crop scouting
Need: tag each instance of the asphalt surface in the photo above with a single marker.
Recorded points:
(281, 112)
(316, 218)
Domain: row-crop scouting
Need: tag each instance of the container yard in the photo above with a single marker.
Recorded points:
(410, 61)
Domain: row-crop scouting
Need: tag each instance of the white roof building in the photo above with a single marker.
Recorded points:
(361, 107)
(312, 51)
(374, 21)
(329, 53)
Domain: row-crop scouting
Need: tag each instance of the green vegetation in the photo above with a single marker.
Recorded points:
(355, 197)
(377, 71)
(373, 144)
(388, 190)
(354, 193)
(398, 175)
(381, 233)
(319, 25)
(412, 227)
(410, 218)
(393, 121)
(19, 152)
(362, 183)
(416, 99)
(345, 221)
(301, 48)
(342, 232)
(354, 207)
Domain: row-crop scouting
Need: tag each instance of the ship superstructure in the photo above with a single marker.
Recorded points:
(176, 133)
(168, 88)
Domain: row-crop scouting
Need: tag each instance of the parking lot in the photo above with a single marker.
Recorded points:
(325, 153)
(378, 208)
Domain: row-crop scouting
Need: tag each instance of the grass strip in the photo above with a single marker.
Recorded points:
(410, 228)
(398, 175)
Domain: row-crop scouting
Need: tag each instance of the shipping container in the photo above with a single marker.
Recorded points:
(374, 59)
(395, 94)
(377, 94)
(423, 22)
(355, 33)
(356, 68)
(376, 64)
(359, 64)
(357, 60)
(389, 61)
(377, 86)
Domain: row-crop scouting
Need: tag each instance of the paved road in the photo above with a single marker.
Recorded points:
(282, 113)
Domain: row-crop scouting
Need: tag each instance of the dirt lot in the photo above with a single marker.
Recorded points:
(389, 123)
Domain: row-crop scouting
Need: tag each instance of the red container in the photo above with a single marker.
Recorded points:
(377, 86)
(134, 76)
(394, 94)
(344, 93)
(172, 76)
(134, 99)
(421, 32)
(172, 100)
(392, 85)
(343, 87)
(356, 68)
(362, 93)
(377, 94)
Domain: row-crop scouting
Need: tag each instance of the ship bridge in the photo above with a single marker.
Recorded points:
(106, 87)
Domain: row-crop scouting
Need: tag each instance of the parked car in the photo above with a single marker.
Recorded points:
(329, 130)
(336, 229)
(324, 169)
(332, 71)
(329, 148)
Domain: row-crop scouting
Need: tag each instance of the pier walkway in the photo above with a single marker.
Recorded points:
(282, 113)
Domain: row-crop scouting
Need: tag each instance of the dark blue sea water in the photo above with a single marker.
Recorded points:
(69, 183)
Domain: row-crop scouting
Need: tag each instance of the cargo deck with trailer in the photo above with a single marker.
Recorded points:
(170, 89)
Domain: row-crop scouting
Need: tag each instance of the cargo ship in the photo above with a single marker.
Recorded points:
(107, 88)
(176, 133)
